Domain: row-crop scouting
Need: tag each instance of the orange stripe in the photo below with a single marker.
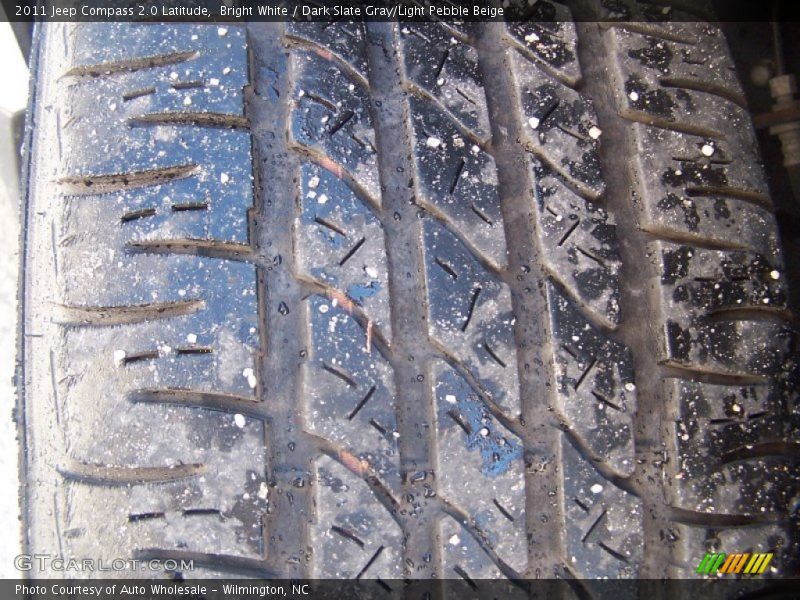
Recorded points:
(728, 563)
(737, 568)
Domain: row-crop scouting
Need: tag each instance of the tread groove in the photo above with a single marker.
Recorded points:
(215, 401)
(127, 476)
(102, 316)
(132, 64)
(83, 185)
(196, 119)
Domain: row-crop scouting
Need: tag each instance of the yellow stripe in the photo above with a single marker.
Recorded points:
(751, 563)
(752, 566)
(728, 563)
(767, 558)
(737, 568)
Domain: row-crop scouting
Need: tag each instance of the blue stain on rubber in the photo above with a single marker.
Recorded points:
(498, 449)
(358, 292)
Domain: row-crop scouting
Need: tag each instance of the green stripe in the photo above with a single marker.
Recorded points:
(701, 568)
(719, 562)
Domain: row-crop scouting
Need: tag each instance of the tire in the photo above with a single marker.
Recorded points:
(379, 301)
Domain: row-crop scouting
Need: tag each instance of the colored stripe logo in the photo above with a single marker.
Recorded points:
(732, 564)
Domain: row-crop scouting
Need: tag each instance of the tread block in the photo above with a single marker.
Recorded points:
(178, 67)
(603, 521)
(176, 516)
(341, 243)
(465, 560)
(579, 242)
(669, 77)
(350, 392)
(560, 127)
(701, 292)
(705, 281)
(694, 134)
(458, 181)
(596, 394)
(729, 448)
(353, 535)
(331, 119)
(121, 158)
(699, 199)
(549, 39)
(488, 483)
(345, 40)
(446, 68)
(96, 372)
(470, 315)
(550, 45)
(176, 325)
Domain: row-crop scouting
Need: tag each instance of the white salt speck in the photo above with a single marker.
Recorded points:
(775, 275)
(194, 36)
(633, 96)
(227, 70)
(213, 81)
(173, 75)
(224, 177)
(630, 387)
(371, 272)
(250, 376)
(440, 81)
(575, 338)
(323, 308)
(707, 150)
(450, 398)
(433, 142)
(533, 122)
(531, 37)
(187, 101)
(263, 491)
(181, 293)
(313, 182)
(476, 149)
(191, 338)
(678, 172)
(595, 132)
(322, 199)
(222, 31)
(484, 432)
(119, 356)
(454, 539)
(596, 488)
(239, 420)
(765, 301)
